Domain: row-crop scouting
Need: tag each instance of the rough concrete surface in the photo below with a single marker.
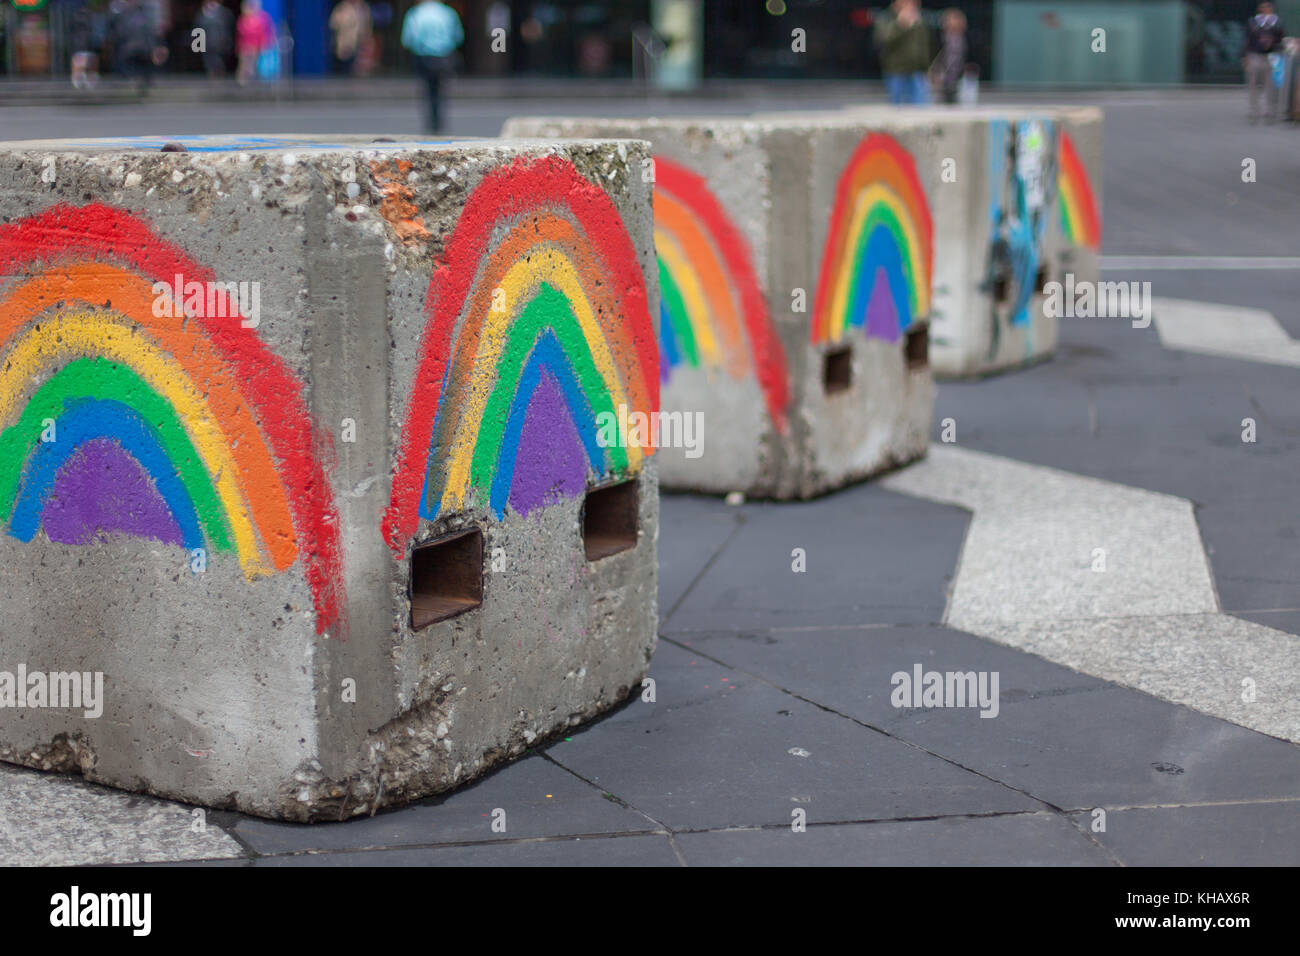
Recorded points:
(213, 494)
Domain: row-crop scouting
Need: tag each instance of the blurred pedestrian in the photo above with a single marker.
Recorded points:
(137, 41)
(432, 32)
(904, 43)
(218, 26)
(353, 31)
(85, 38)
(950, 65)
(254, 36)
(1264, 35)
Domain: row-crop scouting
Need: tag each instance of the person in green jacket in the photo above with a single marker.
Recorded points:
(904, 43)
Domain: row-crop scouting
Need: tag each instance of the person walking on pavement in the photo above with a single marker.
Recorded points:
(351, 25)
(1264, 35)
(904, 44)
(951, 63)
(137, 42)
(218, 26)
(85, 37)
(254, 36)
(432, 32)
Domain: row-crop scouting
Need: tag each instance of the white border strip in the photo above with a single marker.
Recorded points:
(1109, 580)
(1252, 335)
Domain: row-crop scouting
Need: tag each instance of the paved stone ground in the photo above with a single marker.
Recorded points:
(773, 687)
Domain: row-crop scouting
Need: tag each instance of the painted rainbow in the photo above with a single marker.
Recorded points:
(124, 411)
(878, 257)
(1080, 218)
(711, 309)
(538, 323)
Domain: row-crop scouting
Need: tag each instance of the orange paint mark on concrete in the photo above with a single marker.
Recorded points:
(397, 207)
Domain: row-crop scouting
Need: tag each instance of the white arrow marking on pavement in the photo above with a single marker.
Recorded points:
(1232, 331)
(1150, 620)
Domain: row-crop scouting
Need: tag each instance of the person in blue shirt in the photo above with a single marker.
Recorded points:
(432, 32)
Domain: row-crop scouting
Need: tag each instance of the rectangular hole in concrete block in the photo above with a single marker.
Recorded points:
(1001, 290)
(837, 370)
(446, 578)
(916, 346)
(609, 520)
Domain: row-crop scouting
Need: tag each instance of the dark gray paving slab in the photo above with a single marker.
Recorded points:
(1061, 736)
(692, 529)
(1031, 839)
(873, 557)
(241, 861)
(851, 671)
(1116, 746)
(1174, 188)
(1177, 438)
(1238, 834)
(1126, 457)
(1252, 545)
(645, 850)
(539, 799)
(717, 750)
(1283, 620)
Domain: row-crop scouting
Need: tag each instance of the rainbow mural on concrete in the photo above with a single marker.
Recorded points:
(1080, 218)
(878, 257)
(125, 411)
(712, 311)
(537, 323)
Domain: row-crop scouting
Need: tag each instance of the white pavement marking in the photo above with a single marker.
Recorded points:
(1226, 330)
(56, 820)
(1197, 263)
(1150, 620)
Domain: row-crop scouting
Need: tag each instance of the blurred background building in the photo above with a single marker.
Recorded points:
(682, 42)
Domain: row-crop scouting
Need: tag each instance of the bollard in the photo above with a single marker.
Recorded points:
(794, 258)
(326, 480)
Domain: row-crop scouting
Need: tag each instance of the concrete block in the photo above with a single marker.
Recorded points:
(794, 262)
(998, 241)
(302, 453)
